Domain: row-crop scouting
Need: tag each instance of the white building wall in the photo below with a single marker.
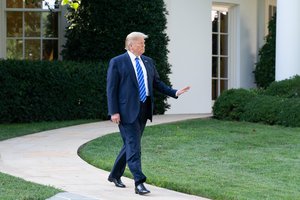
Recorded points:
(189, 30)
(248, 39)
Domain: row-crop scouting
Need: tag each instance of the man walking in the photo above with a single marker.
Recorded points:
(131, 79)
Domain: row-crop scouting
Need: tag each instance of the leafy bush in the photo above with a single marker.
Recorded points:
(43, 91)
(289, 88)
(99, 27)
(230, 104)
(290, 113)
(273, 110)
(265, 68)
(255, 106)
(263, 109)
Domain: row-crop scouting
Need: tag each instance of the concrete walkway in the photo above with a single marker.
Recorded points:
(50, 158)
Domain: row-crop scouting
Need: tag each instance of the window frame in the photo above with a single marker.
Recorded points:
(219, 56)
(41, 37)
(273, 5)
(233, 43)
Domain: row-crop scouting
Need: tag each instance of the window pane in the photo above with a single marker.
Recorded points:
(50, 24)
(214, 91)
(224, 85)
(14, 24)
(215, 44)
(224, 67)
(33, 49)
(33, 4)
(224, 45)
(14, 3)
(50, 49)
(50, 4)
(215, 67)
(214, 18)
(32, 24)
(14, 49)
(224, 22)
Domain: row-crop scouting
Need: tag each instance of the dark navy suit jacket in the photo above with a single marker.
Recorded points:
(123, 90)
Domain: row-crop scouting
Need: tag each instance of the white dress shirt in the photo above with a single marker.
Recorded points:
(132, 58)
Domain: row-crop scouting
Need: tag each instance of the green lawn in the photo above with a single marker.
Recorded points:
(8, 131)
(214, 159)
(12, 188)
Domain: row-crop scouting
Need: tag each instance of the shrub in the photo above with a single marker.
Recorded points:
(265, 68)
(43, 91)
(290, 113)
(263, 109)
(230, 104)
(289, 88)
(253, 106)
(99, 27)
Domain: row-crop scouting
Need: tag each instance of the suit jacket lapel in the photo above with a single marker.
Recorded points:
(131, 69)
(146, 64)
(148, 69)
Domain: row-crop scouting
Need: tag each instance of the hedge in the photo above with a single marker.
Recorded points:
(230, 104)
(278, 104)
(289, 88)
(263, 109)
(291, 113)
(46, 91)
(97, 31)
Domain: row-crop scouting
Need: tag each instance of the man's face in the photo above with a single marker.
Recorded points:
(138, 46)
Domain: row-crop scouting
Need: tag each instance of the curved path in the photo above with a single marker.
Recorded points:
(50, 158)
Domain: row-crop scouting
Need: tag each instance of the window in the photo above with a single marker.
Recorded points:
(219, 51)
(269, 13)
(32, 29)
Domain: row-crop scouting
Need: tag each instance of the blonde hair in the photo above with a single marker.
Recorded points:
(132, 37)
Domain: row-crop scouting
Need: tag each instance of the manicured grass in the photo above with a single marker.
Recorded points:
(14, 130)
(214, 159)
(12, 188)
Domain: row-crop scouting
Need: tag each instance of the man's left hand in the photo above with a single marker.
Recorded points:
(183, 90)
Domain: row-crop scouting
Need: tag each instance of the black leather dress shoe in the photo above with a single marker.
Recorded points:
(141, 190)
(117, 182)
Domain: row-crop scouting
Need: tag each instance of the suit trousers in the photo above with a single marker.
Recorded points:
(131, 150)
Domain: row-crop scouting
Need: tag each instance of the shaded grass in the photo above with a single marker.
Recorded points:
(8, 131)
(214, 159)
(12, 188)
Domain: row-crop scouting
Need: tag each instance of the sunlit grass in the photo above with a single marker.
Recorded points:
(214, 159)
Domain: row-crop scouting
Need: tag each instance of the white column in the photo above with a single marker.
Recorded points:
(287, 39)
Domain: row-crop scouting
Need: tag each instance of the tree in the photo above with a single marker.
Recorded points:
(99, 27)
(265, 67)
(72, 3)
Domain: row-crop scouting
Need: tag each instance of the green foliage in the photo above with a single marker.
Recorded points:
(98, 30)
(230, 104)
(273, 110)
(43, 91)
(265, 67)
(278, 104)
(263, 109)
(289, 88)
(74, 4)
(290, 113)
